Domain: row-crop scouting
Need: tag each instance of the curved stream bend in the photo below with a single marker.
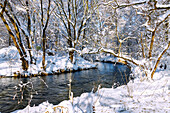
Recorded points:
(106, 75)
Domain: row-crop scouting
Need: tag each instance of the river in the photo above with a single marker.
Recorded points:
(54, 88)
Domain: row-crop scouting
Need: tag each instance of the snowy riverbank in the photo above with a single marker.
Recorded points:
(140, 95)
(137, 96)
(10, 63)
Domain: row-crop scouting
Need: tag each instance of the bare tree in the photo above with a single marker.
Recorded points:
(150, 34)
(73, 15)
(44, 27)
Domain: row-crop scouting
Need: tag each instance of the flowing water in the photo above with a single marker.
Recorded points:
(55, 88)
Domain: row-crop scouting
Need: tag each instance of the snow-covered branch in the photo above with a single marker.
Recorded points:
(121, 5)
(160, 6)
(159, 58)
(123, 57)
(153, 35)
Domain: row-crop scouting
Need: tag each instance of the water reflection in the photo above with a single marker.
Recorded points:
(55, 88)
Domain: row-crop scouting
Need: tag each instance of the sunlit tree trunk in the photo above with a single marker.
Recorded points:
(24, 61)
(18, 45)
(69, 32)
(29, 31)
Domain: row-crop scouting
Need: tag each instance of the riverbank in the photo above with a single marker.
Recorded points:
(55, 88)
(137, 96)
(10, 64)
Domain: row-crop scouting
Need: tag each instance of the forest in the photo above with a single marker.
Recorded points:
(51, 37)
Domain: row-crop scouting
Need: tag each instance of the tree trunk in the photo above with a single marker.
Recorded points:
(9, 41)
(44, 48)
(25, 64)
(44, 32)
(71, 55)
(29, 31)
(69, 33)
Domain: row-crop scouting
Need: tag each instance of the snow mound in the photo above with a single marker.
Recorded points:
(10, 52)
(10, 63)
(46, 107)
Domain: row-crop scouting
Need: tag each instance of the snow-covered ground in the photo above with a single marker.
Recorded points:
(107, 58)
(10, 63)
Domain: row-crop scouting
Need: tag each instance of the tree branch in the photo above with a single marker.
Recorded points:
(159, 58)
(153, 36)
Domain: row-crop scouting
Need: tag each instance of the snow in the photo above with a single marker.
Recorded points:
(162, 6)
(9, 58)
(109, 59)
(9, 53)
(148, 26)
(85, 50)
(106, 58)
(162, 17)
(71, 49)
(139, 95)
(21, 8)
(10, 63)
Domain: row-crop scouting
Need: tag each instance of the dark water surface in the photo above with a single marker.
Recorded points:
(106, 75)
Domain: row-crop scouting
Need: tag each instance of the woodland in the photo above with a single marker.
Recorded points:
(44, 37)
